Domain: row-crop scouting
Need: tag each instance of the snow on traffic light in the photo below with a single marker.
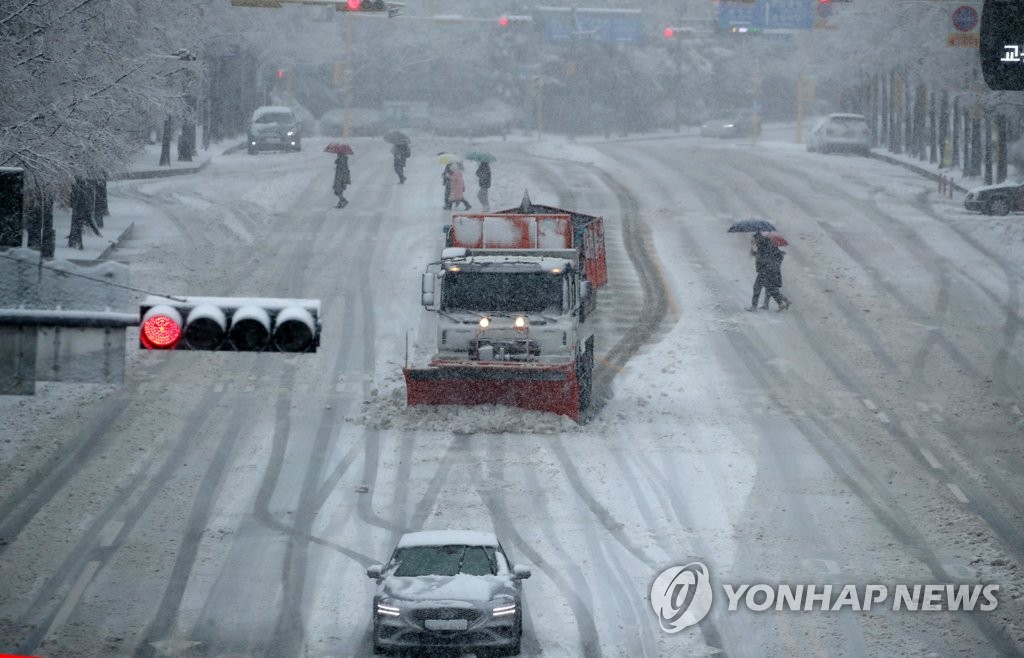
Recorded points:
(237, 324)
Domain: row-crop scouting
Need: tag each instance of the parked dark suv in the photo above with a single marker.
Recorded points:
(274, 127)
(1001, 199)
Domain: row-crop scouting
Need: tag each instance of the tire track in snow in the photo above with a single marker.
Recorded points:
(577, 594)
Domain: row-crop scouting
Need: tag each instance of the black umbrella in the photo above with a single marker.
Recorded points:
(396, 137)
(751, 225)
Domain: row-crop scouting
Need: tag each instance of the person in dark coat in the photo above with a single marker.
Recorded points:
(342, 178)
(447, 182)
(483, 177)
(768, 265)
(401, 153)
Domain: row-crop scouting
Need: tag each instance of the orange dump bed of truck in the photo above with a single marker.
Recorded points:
(548, 228)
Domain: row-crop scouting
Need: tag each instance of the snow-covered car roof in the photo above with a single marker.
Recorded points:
(271, 109)
(997, 186)
(845, 115)
(448, 538)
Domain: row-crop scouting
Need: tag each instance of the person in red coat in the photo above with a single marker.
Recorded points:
(456, 184)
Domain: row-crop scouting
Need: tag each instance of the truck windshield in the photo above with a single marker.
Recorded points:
(517, 292)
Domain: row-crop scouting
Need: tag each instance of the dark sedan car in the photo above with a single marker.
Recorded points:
(448, 590)
(1001, 199)
(730, 123)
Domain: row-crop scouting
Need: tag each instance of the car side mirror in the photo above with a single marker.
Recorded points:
(520, 573)
(375, 571)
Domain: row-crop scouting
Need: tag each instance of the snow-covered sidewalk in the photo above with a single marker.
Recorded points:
(117, 226)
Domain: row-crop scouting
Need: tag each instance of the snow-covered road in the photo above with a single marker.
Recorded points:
(229, 504)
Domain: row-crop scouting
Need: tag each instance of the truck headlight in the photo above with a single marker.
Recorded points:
(485, 322)
(520, 322)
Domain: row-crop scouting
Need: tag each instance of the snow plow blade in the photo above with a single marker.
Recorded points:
(527, 386)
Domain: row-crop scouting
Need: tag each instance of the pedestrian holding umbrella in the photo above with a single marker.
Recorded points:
(483, 178)
(342, 178)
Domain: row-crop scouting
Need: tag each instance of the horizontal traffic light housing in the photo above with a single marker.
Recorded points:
(234, 324)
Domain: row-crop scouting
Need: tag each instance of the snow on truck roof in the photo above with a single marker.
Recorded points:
(448, 538)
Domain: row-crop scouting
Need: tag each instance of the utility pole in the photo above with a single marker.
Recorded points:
(347, 111)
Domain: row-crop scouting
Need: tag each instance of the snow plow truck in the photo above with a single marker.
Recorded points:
(514, 293)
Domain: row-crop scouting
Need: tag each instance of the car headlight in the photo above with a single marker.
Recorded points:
(504, 609)
(387, 609)
(290, 133)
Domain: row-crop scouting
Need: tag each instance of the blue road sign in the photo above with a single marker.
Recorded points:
(606, 25)
(965, 18)
(767, 14)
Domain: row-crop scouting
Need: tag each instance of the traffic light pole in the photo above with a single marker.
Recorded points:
(347, 110)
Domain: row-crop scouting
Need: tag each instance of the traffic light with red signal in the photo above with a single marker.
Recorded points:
(362, 5)
(513, 20)
(235, 324)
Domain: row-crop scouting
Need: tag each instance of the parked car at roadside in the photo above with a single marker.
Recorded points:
(1001, 199)
(729, 123)
(273, 127)
(448, 590)
(840, 132)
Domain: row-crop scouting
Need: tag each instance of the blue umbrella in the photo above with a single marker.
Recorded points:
(751, 225)
(480, 156)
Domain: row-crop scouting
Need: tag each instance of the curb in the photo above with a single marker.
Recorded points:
(159, 173)
(114, 244)
(914, 168)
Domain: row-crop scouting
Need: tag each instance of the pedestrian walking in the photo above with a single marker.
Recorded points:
(342, 178)
(483, 177)
(400, 153)
(456, 186)
(768, 265)
(447, 182)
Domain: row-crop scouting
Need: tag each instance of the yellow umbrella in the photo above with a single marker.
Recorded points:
(446, 158)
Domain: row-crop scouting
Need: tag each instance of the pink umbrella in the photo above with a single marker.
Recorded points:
(338, 147)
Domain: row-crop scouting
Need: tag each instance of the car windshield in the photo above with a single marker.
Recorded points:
(445, 560)
(275, 117)
(530, 292)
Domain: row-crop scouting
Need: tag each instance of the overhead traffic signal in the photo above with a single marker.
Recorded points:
(362, 5)
(521, 19)
(237, 324)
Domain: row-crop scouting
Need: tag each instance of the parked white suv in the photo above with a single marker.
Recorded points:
(840, 132)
